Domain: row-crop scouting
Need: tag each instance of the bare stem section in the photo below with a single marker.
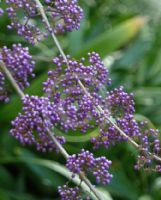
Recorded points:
(98, 108)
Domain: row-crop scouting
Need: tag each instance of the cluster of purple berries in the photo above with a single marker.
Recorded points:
(149, 142)
(86, 163)
(20, 64)
(120, 106)
(71, 193)
(64, 15)
(77, 108)
(120, 103)
(67, 11)
(32, 126)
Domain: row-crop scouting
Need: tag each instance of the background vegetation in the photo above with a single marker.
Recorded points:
(127, 34)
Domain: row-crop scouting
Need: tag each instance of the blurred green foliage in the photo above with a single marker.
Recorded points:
(131, 48)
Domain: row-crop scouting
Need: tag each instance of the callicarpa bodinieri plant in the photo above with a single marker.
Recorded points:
(72, 99)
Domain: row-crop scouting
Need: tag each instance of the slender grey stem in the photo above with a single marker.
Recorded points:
(46, 21)
(58, 145)
(155, 157)
(11, 79)
(98, 108)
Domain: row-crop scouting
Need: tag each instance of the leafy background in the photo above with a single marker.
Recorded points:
(127, 34)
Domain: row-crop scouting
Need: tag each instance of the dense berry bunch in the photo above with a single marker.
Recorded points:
(69, 193)
(119, 102)
(24, 25)
(72, 193)
(109, 135)
(86, 162)
(81, 162)
(65, 15)
(94, 75)
(129, 125)
(32, 126)
(120, 106)
(76, 107)
(100, 170)
(149, 142)
(20, 64)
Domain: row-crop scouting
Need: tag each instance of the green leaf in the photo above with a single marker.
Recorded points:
(4, 195)
(140, 118)
(145, 197)
(78, 137)
(56, 167)
(148, 95)
(121, 186)
(115, 38)
(45, 177)
(6, 180)
(11, 195)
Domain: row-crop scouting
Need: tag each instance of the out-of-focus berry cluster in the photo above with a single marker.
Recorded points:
(85, 162)
(20, 64)
(71, 193)
(31, 127)
(64, 15)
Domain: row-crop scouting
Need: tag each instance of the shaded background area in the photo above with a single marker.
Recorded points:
(131, 48)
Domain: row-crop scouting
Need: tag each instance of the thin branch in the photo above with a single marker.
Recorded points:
(58, 145)
(46, 21)
(98, 108)
(66, 156)
(11, 79)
